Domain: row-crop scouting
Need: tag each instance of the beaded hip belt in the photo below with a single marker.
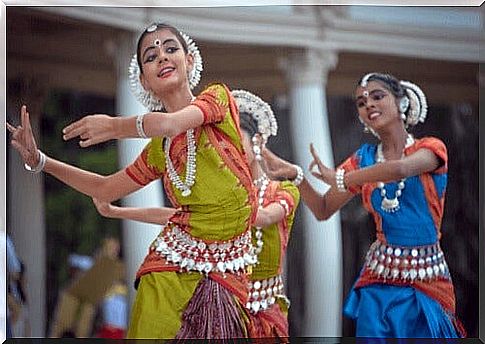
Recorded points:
(422, 263)
(262, 293)
(193, 254)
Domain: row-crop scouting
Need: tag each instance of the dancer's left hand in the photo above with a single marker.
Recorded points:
(92, 129)
(325, 174)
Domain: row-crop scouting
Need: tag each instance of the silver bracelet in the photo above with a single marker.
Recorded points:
(40, 166)
(299, 176)
(139, 126)
(339, 180)
(284, 204)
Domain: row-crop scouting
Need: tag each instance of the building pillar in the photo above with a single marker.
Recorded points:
(26, 223)
(306, 75)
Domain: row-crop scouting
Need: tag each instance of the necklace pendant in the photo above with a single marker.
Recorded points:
(390, 205)
(186, 193)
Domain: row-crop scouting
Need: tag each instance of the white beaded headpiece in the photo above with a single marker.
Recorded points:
(259, 110)
(365, 79)
(145, 97)
(418, 106)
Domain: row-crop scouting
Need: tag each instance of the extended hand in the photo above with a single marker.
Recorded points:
(23, 139)
(91, 130)
(104, 208)
(324, 173)
(276, 167)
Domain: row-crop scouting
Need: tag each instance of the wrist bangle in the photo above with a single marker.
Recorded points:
(139, 127)
(285, 206)
(299, 176)
(40, 166)
(339, 180)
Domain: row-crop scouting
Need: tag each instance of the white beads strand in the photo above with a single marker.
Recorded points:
(391, 205)
(190, 169)
(261, 183)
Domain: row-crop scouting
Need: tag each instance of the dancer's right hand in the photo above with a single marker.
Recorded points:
(276, 167)
(104, 208)
(23, 139)
(92, 129)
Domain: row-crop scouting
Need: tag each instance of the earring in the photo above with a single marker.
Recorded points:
(403, 104)
(367, 129)
(256, 148)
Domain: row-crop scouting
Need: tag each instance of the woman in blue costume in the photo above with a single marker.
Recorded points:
(404, 288)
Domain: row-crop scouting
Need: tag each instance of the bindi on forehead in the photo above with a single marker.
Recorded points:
(366, 92)
(161, 36)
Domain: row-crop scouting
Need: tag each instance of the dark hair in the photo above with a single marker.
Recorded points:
(248, 124)
(159, 26)
(389, 81)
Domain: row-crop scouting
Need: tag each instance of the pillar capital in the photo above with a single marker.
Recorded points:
(309, 66)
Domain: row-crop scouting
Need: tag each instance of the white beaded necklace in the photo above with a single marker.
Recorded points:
(191, 167)
(391, 205)
(262, 184)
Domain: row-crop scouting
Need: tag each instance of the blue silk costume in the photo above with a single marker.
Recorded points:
(404, 289)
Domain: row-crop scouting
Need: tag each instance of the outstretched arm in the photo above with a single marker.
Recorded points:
(322, 206)
(422, 161)
(94, 129)
(107, 188)
(149, 215)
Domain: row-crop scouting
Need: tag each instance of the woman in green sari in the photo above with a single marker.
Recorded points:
(197, 151)
(266, 303)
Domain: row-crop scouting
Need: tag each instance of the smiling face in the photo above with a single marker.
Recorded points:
(164, 62)
(376, 105)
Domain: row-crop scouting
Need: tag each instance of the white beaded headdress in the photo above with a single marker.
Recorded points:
(260, 111)
(145, 97)
(418, 106)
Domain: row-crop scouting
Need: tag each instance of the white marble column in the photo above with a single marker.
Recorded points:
(136, 236)
(307, 73)
(26, 211)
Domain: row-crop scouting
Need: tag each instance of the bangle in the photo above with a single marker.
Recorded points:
(285, 206)
(40, 166)
(299, 176)
(139, 127)
(339, 180)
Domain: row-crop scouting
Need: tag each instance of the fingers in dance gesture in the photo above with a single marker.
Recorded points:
(92, 129)
(23, 139)
(324, 173)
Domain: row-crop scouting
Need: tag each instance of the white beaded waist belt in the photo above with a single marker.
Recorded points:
(193, 254)
(262, 293)
(422, 263)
